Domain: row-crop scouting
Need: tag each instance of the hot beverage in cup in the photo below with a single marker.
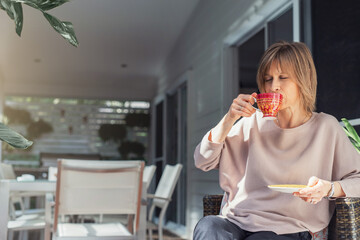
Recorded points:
(269, 104)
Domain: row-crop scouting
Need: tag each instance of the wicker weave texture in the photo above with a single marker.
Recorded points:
(212, 204)
(348, 218)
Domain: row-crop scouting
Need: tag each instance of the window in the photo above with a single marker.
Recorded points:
(250, 51)
(249, 54)
(281, 28)
(72, 125)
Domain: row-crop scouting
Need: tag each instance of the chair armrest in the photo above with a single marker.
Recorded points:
(156, 197)
(347, 218)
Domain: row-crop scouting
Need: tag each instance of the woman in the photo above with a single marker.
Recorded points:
(299, 147)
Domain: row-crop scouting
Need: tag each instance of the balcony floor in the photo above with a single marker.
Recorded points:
(35, 235)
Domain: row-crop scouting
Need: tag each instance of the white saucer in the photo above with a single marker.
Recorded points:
(287, 188)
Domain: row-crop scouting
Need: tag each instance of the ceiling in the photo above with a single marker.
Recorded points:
(138, 33)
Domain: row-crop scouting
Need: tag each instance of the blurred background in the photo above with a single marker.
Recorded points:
(151, 77)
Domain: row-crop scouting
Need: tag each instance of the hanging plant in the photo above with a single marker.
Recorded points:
(36, 129)
(114, 132)
(17, 116)
(127, 147)
(15, 12)
(141, 120)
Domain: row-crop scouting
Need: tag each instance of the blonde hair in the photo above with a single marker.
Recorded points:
(296, 57)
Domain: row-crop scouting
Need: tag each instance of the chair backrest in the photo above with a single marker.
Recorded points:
(148, 174)
(98, 187)
(167, 183)
(7, 171)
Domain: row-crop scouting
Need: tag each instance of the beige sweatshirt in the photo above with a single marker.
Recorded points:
(257, 153)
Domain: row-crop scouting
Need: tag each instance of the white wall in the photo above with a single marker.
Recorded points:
(199, 48)
(202, 48)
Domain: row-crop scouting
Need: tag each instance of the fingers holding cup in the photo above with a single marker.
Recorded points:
(246, 101)
(241, 106)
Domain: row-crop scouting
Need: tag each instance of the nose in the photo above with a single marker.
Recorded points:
(275, 87)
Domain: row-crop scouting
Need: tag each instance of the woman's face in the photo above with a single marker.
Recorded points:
(279, 80)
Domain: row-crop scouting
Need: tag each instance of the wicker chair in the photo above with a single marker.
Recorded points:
(345, 223)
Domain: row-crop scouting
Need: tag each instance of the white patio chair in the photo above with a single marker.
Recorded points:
(148, 175)
(7, 172)
(23, 219)
(147, 178)
(52, 176)
(162, 196)
(97, 187)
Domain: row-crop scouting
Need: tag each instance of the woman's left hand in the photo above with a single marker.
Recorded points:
(315, 190)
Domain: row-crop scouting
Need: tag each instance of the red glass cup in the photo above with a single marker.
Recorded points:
(269, 104)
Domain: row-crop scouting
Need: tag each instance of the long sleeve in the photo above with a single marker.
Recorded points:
(229, 157)
(207, 154)
(346, 164)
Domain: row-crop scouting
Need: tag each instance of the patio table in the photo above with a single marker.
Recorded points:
(8, 186)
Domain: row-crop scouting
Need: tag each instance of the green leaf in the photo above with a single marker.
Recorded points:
(15, 12)
(352, 134)
(64, 28)
(18, 17)
(352, 141)
(13, 138)
(350, 130)
(42, 5)
(6, 5)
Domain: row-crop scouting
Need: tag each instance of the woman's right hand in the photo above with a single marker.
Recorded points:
(242, 106)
